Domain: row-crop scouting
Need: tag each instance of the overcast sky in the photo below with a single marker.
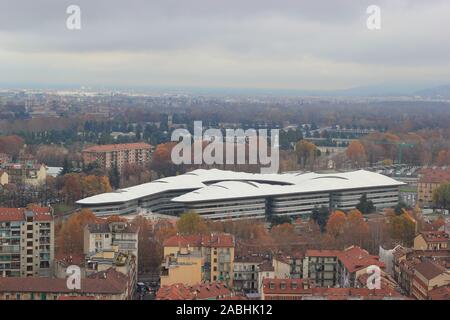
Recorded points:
(292, 44)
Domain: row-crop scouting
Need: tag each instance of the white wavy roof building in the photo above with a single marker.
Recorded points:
(217, 187)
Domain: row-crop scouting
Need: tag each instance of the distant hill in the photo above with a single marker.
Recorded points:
(440, 92)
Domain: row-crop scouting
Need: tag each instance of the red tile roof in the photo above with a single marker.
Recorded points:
(440, 293)
(211, 240)
(18, 214)
(174, 292)
(203, 291)
(215, 290)
(303, 288)
(429, 269)
(287, 286)
(11, 214)
(354, 258)
(118, 147)
(434, 175)
(106, 282)
(76, 298)
(435, 236)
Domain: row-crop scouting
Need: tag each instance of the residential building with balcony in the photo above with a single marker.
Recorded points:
(321, 266)
(246, 270)
(430, 180)
(216, 250)
(26, 242)
(26, 174)
(117, 155)
(103, 236)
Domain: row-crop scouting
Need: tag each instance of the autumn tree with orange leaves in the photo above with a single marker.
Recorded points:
(11, 145)
(161, 160)
(348, 229)
(70, 236)
(307, 152)
(357, 153)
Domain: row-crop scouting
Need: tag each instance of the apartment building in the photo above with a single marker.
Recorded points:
(430, 180)
(352, 263)
(104, 236)
(281, 266)
(431, 240)
(26, 174)
(331, 268)
(321, 267)
(265, 271)
(406, 260)
(216, 251)
(26, 242)
(119, 155)
(246, 270)
(428, 276)
(187, 267)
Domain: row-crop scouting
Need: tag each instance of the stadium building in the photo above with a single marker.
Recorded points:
(218, 194)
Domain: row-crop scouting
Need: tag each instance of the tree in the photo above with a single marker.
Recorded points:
(72, 189)
(443, 158)
(150, 251)
(356, 229)
(161, 159)
(441, 196)
(400, 207)
(114, 177)
(276, 220)
(364, 205)
(11, 145)
(67, 167)
(283, 234)
(320, 216)
(191, 223)
(402, 228)
(306, 152)
(70, 237)
(336, 223)
(357, 153)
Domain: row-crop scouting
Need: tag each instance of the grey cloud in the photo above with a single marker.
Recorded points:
(285, 32)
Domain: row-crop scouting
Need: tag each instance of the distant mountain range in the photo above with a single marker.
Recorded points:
(441, 92)
(438, 92)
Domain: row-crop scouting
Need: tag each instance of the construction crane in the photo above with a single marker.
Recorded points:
(400, 146)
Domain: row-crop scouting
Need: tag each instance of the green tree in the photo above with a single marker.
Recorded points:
(364, 205)
(114, 177)
(191, 223)
(320, 216)
(441, 196)
(67, 167)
